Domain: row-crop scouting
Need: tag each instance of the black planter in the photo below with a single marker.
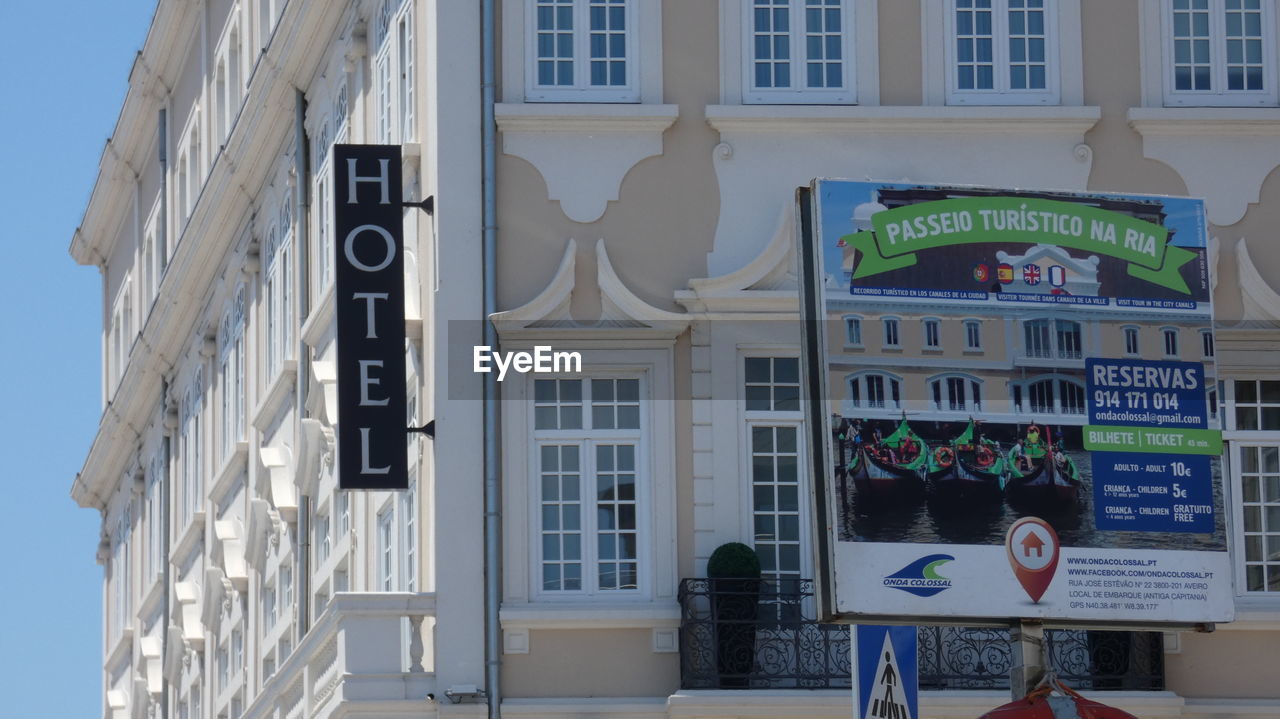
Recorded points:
(734, 607)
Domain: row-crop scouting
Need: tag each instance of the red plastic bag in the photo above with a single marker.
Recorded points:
(1052, 699)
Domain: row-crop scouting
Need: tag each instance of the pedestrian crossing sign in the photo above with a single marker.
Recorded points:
(886, 682)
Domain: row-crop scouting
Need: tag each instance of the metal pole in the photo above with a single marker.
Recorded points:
(492, 468)
(1026, 639)
(302, 278)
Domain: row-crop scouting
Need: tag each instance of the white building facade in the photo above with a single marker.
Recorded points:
(649, 154)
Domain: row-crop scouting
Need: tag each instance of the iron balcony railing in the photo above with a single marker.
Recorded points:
(761, 634)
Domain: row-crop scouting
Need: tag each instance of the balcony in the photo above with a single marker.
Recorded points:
(363, 647)
(723, 646)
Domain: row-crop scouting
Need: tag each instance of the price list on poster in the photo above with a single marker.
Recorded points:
(1151, 446)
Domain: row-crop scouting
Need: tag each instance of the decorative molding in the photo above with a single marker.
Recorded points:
(216, 598)
(549, 314)
(666, 640)
(1261, 302)
(264, 524)
(280, 387)
(230, 533)
(151, 667)
(1223, 154)
(284, 496)
(323, 397)
(765, 284)
(515, 641)
(316, 450)
(583, 151)
(188, 596)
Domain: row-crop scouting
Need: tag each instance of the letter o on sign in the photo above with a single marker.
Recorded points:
(349, 248)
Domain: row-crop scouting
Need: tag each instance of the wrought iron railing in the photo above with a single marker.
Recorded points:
(761, 634)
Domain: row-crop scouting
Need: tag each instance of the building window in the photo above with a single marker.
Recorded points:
(890, 332)
(324, 209)
(1170, 336)
(581, 51)
(1050, 396)
(1257, 406)
(1259, 478)
(1220, 52)
(776, 499)
(1052, 339)
(932, 334)
(393, 71)
(853, 331)
(590, 485)
(1206, 344)
(1002, 52)
(799, 51)
(956, 393)
(405, 46)
(1131, 346)
(323, 546)
(155, 525)
(279, 281)
(192, 452)
(232, 377)
(972, 335)
(773, 384)
(409, 524)
(386, 536)
(875, 390)
(121, 585)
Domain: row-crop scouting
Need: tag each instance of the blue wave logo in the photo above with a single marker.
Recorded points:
(921, 577)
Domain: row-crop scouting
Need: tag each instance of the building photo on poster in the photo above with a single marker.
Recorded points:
(1021, 404)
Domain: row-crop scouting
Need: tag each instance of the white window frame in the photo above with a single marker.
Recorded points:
(192, 440)
(384, 548)
(232, 376)
(862, 71)
(797, 93)
(863, 400)
(581, 90)
(1221, 97)
(1024, 391)
(1136, 332)
(972, 332)
(1165, 334)
(644, 58)
(658, 568)
(804, 542)
(896, 332)
(1065, 74)
(1001, 93)
(935, 324)
(852, 323)
(1208, 344)
(1237, 439)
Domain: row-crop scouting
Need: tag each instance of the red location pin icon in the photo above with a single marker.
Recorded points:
(1033, 549)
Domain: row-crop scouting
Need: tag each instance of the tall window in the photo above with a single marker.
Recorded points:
(1170, 336)
(582, 51)
(1220, 52)
(1051, 396)
(323, 221)
(279, 281)
(231, 371)
(155, 524)
(192, 452)
(1131, 346)
(799, 51)
(120, 576)
(772, 442)
(853, 331)
(1002, 52)
(1206, 343)
(773, 384)
(890, 325)
(588, 448)
(393, 68)
(1254, 440)
(384, 557)
(120, 339)
(409, 524)
(932, 334)
(972, 335)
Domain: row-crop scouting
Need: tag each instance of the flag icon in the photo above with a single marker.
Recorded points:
(1004, 273)
(1031, 274)
(981, 272)
(1057, 275)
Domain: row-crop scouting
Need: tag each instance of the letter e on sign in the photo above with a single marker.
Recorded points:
(368, 224)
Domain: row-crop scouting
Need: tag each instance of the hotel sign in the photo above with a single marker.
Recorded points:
(369, 297)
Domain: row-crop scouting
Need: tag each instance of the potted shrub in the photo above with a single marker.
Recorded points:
(734, 574)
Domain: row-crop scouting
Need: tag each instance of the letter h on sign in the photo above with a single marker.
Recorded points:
(369, 296)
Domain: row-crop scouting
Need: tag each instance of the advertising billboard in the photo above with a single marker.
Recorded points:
(1019, 405)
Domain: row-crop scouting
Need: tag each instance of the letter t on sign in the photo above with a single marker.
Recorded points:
(369, 297)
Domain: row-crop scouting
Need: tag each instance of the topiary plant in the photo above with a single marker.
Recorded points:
(734, 559)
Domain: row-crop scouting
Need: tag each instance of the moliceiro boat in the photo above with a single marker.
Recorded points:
(977, 468)
(894, 467)
(1041, 476)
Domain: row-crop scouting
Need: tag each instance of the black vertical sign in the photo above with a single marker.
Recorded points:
(369, 297)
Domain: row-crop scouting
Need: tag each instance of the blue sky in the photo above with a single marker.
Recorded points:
(65, 71)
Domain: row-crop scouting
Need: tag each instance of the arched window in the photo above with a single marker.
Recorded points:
(875, 390)
(1049, 395)
(956, 392)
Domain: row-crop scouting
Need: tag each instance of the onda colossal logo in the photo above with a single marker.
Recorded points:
(921, 577)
